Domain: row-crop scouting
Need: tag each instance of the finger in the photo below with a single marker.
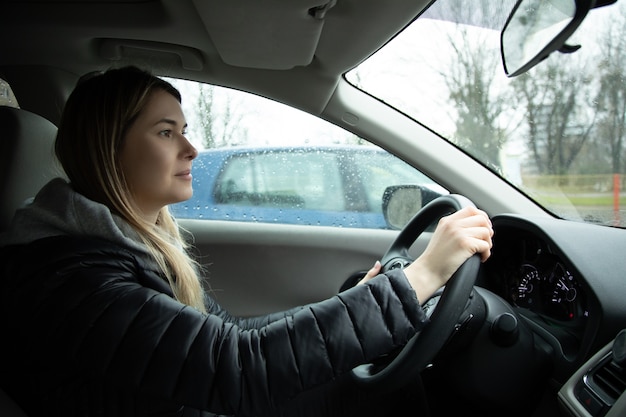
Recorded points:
(375, 270)
(485, 251)
(480, 241)
(467, 212)
(472, 216)
(474, 222)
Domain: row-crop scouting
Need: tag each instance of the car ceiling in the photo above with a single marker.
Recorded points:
(291, 50)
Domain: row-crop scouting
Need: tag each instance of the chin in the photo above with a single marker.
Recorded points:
(181, 198)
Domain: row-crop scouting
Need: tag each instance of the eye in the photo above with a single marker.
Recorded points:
(167, 133)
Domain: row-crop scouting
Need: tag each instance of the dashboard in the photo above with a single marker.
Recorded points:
(531, 269)
(566, 279)
(556, 288)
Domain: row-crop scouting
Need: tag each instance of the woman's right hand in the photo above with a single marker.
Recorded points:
(457, 237)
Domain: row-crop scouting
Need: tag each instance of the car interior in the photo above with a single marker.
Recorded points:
(540, 332)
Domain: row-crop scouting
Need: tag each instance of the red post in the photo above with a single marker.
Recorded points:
(616, 192)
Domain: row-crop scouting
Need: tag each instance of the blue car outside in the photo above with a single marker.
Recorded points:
(340, 186)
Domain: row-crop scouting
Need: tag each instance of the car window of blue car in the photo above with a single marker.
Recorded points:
(261, 161)
(283, 179)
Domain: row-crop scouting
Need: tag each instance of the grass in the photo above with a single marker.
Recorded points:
(577, 190)
(586, 200)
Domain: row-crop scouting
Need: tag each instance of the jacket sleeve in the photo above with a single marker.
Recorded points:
(246, 323)
(106, 322)
(210, 364)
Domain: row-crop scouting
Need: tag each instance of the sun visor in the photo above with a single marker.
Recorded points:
(267, 34)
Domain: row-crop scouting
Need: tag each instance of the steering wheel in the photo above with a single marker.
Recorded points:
(422, 348)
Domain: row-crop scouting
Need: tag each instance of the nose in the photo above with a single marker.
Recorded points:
(194, 153)
(189, 151)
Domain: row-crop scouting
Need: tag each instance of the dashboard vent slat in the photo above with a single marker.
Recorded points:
(610, 379)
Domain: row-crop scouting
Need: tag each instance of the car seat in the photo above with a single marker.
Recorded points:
(27, 159)
(8, 407)
(26, 164)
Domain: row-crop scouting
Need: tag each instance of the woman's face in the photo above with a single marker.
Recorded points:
(156, 157)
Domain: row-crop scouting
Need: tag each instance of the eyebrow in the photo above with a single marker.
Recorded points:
(169, 122)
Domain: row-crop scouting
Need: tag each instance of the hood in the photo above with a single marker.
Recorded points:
(59, 210)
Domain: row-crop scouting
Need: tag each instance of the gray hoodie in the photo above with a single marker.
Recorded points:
(59, 210)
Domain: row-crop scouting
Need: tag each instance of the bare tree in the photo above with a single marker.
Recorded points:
(611, 98)
(470, 82)
(206, 114)
(220, 122)
(559, 118)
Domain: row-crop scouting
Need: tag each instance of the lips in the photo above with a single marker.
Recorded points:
(185, 175)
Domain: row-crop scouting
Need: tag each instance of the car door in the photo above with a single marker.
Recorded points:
(257, 262)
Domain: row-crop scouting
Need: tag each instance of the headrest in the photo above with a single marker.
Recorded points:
(7, 98)
(27, 159)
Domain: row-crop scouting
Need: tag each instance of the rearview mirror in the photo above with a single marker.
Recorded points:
(402, 202)
(536, 28)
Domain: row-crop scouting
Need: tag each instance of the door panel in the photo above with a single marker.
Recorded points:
(256, 268)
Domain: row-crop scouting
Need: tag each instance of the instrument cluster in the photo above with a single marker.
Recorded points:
(548, 288)
(532, 277)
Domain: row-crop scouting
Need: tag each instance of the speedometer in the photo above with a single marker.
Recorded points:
(562, 302)
(527, 291)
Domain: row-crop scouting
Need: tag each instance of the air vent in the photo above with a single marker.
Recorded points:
(607, 380)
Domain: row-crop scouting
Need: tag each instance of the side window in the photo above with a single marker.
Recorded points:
(285, 179)
(262, 161)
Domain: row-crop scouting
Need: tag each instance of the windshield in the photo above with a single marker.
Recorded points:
(557, 132)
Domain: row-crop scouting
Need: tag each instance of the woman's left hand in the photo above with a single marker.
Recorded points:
(375, 270)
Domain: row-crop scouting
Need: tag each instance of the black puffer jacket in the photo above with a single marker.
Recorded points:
(89, 329)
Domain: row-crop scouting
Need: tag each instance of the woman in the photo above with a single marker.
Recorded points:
(112, 318)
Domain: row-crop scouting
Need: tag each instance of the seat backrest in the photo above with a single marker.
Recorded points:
(26, 158)
(26, 164)
(8, 407)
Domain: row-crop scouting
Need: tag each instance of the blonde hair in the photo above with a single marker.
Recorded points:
(98, 113)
